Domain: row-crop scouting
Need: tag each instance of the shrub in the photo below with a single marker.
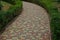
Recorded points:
(7, 16)
(0, 5)
(10, 1)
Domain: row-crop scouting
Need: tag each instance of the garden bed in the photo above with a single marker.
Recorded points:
(9, 11)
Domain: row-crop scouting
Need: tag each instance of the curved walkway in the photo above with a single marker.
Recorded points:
(32, 24)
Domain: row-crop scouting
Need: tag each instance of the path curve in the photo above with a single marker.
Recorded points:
(32, 24)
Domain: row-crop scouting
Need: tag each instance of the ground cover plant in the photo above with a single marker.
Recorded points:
(54, 14)
(8, 11)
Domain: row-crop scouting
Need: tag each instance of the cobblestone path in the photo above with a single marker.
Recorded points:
(32, 24)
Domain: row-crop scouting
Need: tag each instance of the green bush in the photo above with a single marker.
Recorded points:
(57, 1)
(10, 1)
(7, 16)
(0, 5)
(54, 16)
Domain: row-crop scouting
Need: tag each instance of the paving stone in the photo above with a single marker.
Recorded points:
(32, 24)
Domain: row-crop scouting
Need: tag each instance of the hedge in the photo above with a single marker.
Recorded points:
(10, 1)
(54, 16)
(7, 16)
(0, 5)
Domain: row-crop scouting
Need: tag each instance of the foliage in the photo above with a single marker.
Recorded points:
(10, 1)
(0, 6)
(57, 1)
(7, 16)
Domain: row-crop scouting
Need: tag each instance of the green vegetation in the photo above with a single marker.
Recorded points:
(54, 16)
(0, 5)
(58, 1)
(10, 13)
